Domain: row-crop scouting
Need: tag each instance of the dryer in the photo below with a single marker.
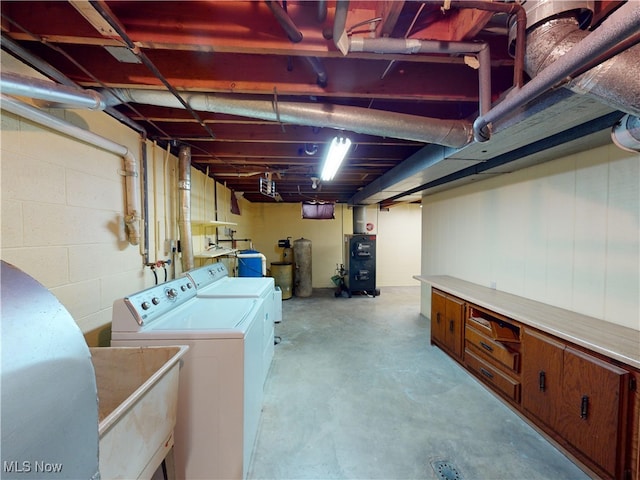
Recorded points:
(221, 387)
(213, 282)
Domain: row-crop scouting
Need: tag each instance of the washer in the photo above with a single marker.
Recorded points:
(221, 387)
(213, 282)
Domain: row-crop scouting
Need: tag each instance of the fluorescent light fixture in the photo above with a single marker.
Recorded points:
(337, 151)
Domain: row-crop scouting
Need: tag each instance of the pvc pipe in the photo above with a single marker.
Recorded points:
(132, 187)
(255, 255)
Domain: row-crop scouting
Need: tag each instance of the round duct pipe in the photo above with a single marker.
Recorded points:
(184, 225)
(544, 10)
(556, 27)
(626, 133)
(359, 219)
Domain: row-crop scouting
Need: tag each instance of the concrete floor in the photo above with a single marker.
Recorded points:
(356, 391)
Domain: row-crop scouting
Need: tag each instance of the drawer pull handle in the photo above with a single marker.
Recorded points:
(451, 326)
(486, 373)
(542, 381)
(584, 407)
(438, 317)
(486, 346)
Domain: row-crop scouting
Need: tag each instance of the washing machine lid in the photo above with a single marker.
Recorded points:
(216, 316)
(238, 287)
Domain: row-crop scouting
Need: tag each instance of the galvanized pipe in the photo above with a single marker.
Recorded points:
(184, 222)
(521, 25)
(453, 133)
(616, 28)
(412, 46)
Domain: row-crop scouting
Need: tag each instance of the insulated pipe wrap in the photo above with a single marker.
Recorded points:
(615, 82)
(617, 28)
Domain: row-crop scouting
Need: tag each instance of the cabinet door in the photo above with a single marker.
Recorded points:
(541, 376)
(438, 315)
(454, 322)
(594, 394)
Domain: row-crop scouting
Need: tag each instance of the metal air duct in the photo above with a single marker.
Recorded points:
(184, 223)
(359, 219)
(615, 82)
(617, 28)
(626, 133)
(453, 133)
(62, 96)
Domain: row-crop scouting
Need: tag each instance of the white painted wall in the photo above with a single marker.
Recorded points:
(564, 233)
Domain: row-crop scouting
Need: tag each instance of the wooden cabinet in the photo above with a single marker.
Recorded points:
(492, 345)
(447, 320)
(542, 376)
(585, 401)
(580, 397)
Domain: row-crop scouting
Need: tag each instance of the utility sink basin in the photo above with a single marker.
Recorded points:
(137, 401)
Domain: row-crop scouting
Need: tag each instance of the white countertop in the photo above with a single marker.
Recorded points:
(612, 340)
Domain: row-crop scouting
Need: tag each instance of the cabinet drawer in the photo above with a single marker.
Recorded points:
(488, 373)
(493, 349)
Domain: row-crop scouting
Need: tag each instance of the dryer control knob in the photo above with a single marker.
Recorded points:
(145, 305)
(155, 300)
(172, 293)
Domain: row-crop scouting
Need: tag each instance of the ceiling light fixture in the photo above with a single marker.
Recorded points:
(337, 151)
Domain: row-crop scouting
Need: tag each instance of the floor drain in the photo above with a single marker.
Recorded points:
(446, 471)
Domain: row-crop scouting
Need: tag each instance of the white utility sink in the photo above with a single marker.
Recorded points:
(137, 401)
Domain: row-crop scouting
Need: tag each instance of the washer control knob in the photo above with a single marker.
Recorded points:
(183, 288)
(172, 293)
(189, 286)
(146, 305)
(155, 300)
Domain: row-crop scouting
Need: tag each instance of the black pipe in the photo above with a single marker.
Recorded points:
(322, 11)
(321, 72)
(285, 21)
(104, 11)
